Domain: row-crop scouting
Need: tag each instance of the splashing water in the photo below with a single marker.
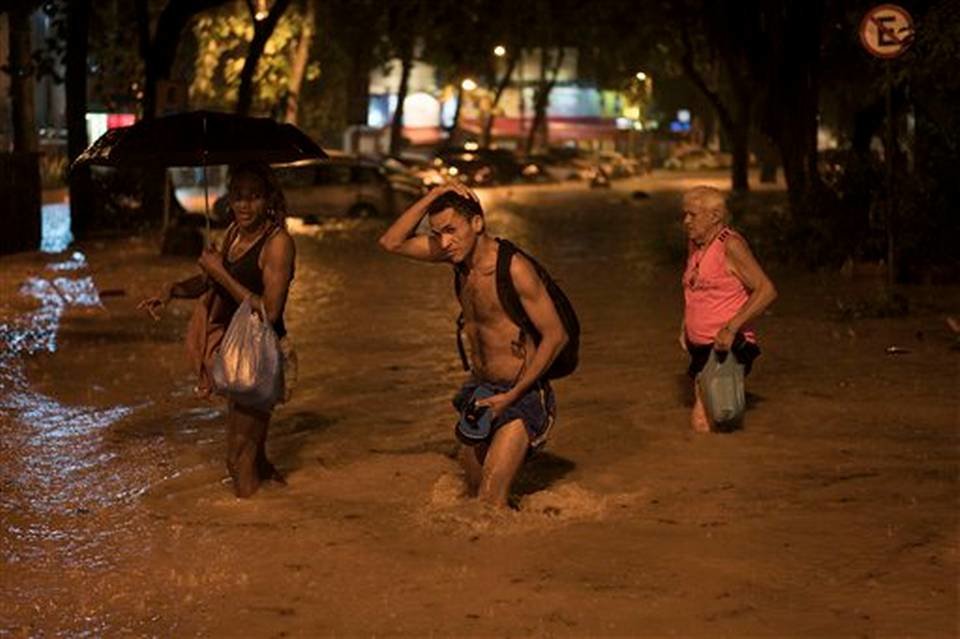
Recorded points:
(451, 509)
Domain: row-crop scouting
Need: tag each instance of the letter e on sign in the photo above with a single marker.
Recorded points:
(886, 31)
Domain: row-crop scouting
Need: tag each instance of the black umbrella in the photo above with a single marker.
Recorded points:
(200, 138)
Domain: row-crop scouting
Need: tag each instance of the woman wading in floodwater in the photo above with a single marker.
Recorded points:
(255, 261)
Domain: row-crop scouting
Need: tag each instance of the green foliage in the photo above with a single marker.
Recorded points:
(223, 37)
(113, 58)
(53, 169)
(115, 66)
(50, 58)
(322, 111)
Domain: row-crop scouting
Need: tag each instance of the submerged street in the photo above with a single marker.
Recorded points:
(832, 512)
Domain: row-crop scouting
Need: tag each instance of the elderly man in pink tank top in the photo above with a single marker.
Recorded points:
(724, 290)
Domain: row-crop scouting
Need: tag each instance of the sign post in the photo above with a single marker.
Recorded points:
(886, 32)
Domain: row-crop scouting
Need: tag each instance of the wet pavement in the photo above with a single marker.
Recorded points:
(117, 520)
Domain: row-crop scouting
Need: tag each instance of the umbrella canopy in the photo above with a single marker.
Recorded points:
(200, 138)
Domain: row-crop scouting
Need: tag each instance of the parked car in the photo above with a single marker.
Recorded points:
(698, 159)
(341, 186)
(421, 170)
(480, 167)
(401, 176)
(566, 164)
(617, 165)
(536, 171)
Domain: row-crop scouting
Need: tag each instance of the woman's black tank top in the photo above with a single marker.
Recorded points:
(246, 270)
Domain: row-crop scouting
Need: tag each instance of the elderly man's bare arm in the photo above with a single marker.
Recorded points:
(745, 267)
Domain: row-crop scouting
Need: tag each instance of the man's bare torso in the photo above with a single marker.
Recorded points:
(495, 350)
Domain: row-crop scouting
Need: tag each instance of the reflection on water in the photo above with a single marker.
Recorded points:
(76, 262)
(55, 233)
(55, 454)
(37, 331)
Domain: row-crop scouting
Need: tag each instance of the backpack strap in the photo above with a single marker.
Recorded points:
(457, 287)
(507, 291)
(228, 237)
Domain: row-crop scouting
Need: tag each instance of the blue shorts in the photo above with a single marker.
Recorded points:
(537, 410)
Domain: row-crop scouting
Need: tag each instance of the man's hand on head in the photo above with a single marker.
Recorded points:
(462, 190)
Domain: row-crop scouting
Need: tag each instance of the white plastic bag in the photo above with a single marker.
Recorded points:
(721, 388)
(247, 366)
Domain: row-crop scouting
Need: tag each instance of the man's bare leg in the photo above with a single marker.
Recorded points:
(698, 417)
(503, 460)
(471, 460)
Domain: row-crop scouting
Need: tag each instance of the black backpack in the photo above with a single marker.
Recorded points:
(567, 360)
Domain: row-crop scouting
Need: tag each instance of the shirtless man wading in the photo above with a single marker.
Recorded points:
(504, 362)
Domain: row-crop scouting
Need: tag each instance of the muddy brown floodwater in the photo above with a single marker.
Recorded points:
(833, 513)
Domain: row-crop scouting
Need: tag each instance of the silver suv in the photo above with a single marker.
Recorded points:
(343, 186)
(340, 186)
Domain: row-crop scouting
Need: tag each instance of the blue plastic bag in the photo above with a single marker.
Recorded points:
(247, 366)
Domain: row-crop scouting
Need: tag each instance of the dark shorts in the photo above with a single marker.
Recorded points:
(744, 351)
(537, 410)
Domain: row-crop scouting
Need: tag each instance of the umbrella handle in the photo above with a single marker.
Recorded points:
(206, 188)
(206, 205)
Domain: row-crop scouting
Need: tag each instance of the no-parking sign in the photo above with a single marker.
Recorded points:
(886, 31)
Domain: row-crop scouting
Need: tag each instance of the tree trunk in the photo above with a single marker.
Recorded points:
(709, 127)
(298, 66)
(358, 84)
(541, 100)
(78, 23)
(262, 30)
(81, 188)
(866, 123)
(22, 83)
(452, 131)
(539, 104)
(396, 127)
(801, 181)
(740, 146)
(159, 51)
(501, 87)
(768, 158)
(793, 109)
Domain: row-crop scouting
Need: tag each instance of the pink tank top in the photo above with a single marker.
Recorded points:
(712, 293)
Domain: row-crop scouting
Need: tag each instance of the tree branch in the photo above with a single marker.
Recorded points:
(686, 62)
(262, 30)
(143, 28)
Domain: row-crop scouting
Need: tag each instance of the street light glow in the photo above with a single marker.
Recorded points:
(468, 84)
(261, 12)
(641, 76)
(500, 51)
